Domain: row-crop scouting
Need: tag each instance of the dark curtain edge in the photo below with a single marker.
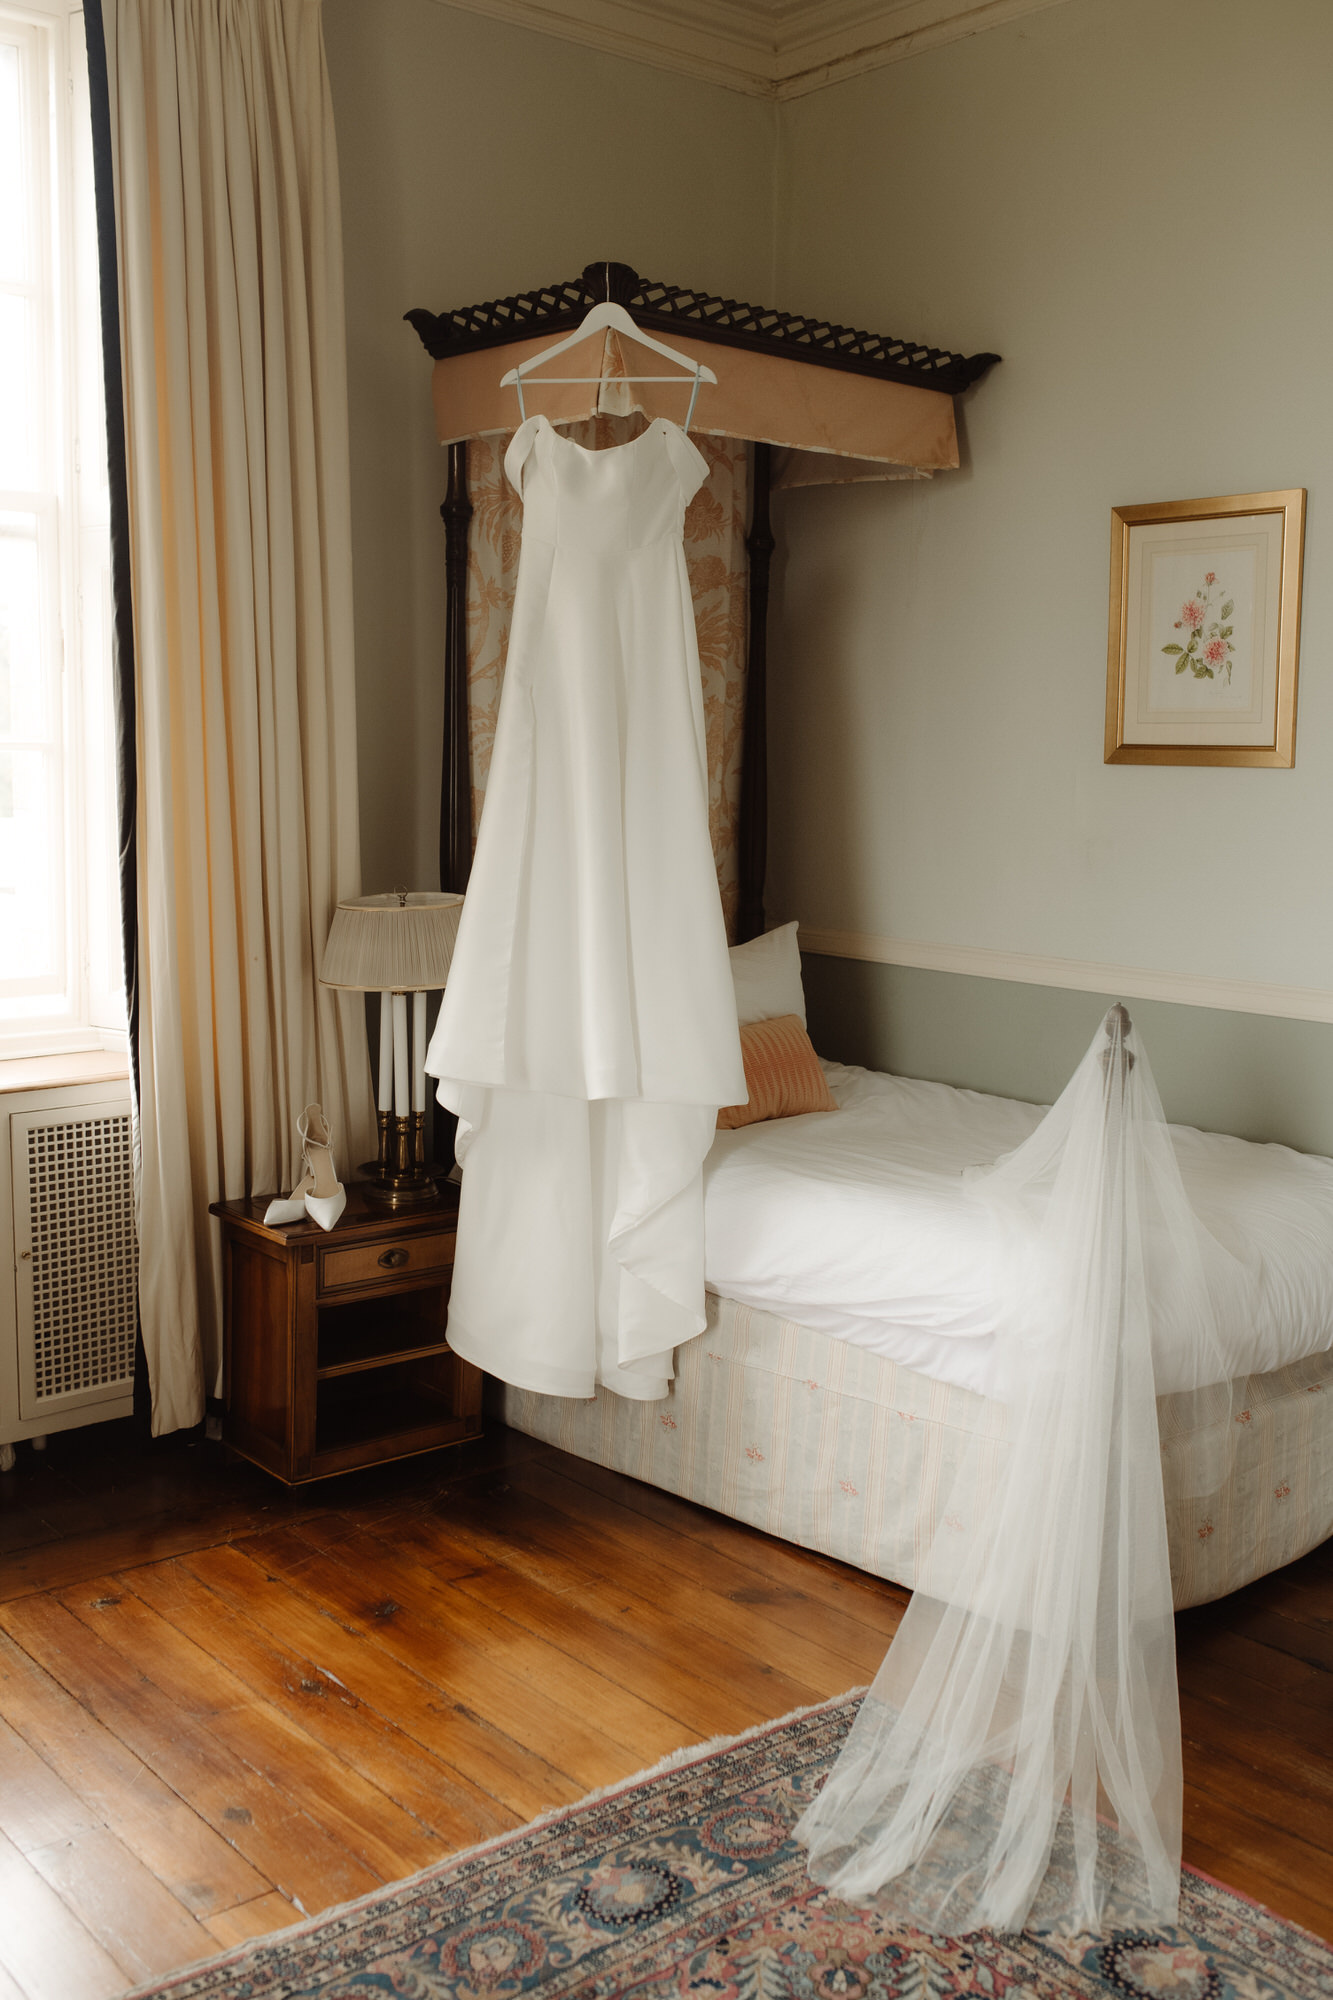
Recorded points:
(124, 696)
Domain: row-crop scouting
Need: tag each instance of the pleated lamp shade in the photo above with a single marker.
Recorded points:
(400, 943)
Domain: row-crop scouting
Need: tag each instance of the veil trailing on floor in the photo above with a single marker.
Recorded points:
(1016, 1763)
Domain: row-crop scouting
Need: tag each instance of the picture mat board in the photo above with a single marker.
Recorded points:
(1168, 562)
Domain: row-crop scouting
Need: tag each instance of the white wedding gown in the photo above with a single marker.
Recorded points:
(588, 1032)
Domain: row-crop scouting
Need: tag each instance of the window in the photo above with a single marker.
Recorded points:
(60, 981)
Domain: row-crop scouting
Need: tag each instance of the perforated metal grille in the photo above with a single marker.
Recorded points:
(81, 1204)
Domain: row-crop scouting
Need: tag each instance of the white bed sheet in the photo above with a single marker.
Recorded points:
(824, 1220)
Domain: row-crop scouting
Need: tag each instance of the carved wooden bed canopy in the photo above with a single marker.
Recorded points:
(820, 404)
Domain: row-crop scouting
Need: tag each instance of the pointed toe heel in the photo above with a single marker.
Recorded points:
(282, 1210)
(325, 1198)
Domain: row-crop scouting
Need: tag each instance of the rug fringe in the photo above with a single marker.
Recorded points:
(690, 1753)
(675, 1760)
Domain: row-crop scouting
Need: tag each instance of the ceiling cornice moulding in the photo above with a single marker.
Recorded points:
(764, 48)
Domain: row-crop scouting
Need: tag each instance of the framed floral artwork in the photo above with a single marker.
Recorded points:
(1205, 630)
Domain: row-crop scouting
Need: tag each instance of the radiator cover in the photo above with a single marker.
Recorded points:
(75, 1256)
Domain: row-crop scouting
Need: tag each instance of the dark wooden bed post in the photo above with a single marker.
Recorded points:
(456, 770)
(752, 833)
(456, 758)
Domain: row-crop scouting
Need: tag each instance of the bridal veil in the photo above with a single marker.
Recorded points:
(1016, 1763)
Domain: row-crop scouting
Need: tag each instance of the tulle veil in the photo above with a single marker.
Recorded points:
(1016, 1763)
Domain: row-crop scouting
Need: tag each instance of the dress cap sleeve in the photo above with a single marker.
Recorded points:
(692, 468)
(520, 445)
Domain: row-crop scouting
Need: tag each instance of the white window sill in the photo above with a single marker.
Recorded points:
(18, 1043)
(52, 1072)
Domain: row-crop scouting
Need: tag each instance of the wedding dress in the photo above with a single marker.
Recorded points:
(588, 1031)
(1016, 1763)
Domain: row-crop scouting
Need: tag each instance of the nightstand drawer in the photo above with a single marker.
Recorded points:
(384, 1263)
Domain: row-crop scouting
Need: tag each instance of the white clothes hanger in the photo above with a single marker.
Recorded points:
(608, 315)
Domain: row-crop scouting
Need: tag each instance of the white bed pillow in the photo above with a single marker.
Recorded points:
(766, 973)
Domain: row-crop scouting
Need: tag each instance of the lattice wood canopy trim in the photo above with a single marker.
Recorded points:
(662, 308)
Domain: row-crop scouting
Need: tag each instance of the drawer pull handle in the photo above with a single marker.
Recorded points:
(393, 1260)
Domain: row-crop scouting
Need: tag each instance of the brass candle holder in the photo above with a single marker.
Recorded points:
(400, 1177)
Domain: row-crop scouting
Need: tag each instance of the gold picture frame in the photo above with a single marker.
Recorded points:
(1220, 686)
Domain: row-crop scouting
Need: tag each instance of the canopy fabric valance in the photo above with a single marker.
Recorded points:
(835, 426)
(839, 405)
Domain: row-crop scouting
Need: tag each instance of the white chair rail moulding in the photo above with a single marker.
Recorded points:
(1133, 982)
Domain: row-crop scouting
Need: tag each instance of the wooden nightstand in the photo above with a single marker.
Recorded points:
(335, 1346)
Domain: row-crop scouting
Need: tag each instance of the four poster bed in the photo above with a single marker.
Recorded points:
(802, 1409)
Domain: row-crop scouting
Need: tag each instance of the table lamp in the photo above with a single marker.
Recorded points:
(395, 945)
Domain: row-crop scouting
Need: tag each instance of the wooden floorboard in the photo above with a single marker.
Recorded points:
(224, 1705)
(48, 1951)
(202, 1868)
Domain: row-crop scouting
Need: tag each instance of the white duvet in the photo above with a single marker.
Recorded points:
(837, 1221)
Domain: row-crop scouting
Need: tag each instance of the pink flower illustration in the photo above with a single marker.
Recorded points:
(1282, 1492)
(1205, 648)
(667, 1423)
(753, 1451)
(1244, 1417)
(953, 1521)
(812, 1385)
(847, 1487)
(1205, 1531)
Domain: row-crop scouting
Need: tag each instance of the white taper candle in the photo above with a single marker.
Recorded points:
(385, 1099)
(401, 1092)
(418, 1051)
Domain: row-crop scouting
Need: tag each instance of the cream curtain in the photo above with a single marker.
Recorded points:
(231, 284)
(715, 554)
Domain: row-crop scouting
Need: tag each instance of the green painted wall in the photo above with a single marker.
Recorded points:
(1252, 1074)
(939, 650)
(1056, 191)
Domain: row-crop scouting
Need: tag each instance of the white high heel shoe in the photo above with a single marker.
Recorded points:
(319, 1193)
(327, 1199)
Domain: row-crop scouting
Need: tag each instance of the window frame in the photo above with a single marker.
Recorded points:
(83, 1004)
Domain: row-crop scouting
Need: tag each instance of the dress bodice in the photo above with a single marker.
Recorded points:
(625, 497)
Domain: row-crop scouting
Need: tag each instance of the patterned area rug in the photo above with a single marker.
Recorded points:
(685, 1882)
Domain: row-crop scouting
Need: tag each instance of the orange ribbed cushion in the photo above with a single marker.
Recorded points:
(783, 1074)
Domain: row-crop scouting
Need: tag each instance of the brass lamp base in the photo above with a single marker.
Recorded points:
(399, 1178)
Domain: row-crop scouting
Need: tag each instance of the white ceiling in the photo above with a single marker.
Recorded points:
(766, 48)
